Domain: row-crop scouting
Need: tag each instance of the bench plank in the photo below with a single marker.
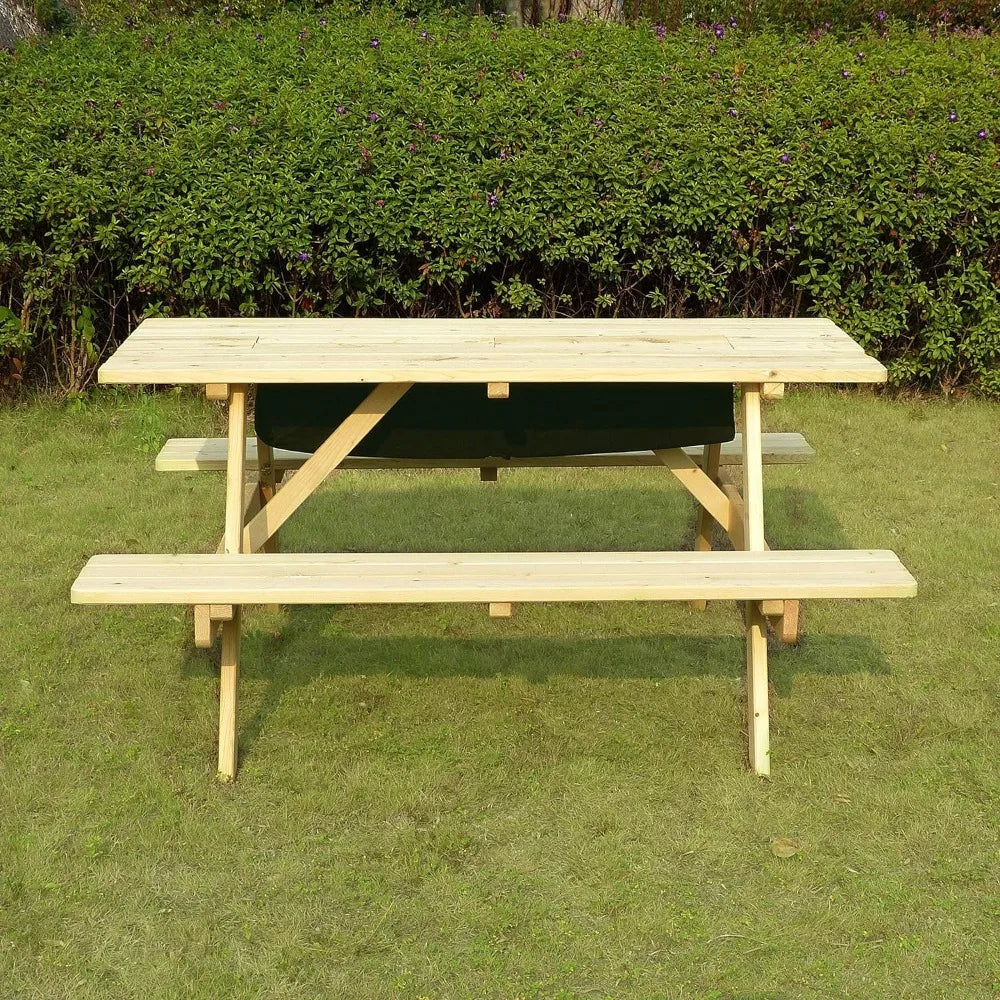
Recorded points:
(209, 455)
(392, 578)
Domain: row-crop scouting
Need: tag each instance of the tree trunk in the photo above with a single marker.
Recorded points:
(16, 22)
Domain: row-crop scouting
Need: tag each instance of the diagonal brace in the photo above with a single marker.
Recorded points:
(700, 485)
(326, 458)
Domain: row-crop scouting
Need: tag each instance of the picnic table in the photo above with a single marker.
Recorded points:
(229, 356)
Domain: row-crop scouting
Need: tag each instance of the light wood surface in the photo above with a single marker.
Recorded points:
(389, 578)
(209, 455)
(199, 351)
(697, 482)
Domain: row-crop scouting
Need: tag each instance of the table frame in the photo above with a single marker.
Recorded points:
(255, 515)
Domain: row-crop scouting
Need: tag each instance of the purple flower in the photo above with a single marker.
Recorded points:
(952, 117)
(711, 50)
(982, 134)
(373, 116)
(493, 200)
(504, 155)
(303, 256)
(733, 113)
(576, 54)
(932, 158)
(219, 105)
(435, 137)
(861, 57)
(720, 31)
(259, 37)
(341, 110)
(411, 148)
(303, 35)
(90, 103)
(846, 74)
(374, 43)
(598, 123)
(784, 158)
(792, 228)
(661, 31)
(562, 17)
(425, 35)
(733, 23)
(150, 171)
(117, 104)
(516, 74)
(234, 128)
(323, 22)
(881, 16)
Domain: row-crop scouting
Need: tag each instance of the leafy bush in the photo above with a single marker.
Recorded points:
(337, 165)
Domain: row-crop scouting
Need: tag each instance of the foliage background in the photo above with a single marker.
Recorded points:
(291, 166)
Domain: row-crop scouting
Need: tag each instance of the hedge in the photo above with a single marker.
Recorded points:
(340, 165)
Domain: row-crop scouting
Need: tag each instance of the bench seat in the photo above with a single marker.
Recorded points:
(401, 578)
(209, 454)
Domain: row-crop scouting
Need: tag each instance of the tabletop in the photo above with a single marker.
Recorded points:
(300, 350)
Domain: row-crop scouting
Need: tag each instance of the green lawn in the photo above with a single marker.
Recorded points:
(435, 804)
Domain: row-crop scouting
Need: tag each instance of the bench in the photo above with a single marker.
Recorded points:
(468, 577)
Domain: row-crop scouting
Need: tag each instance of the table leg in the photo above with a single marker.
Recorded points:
(758, 713)
(233, 541)
(266, 484)
(706, 523)
(228, 682)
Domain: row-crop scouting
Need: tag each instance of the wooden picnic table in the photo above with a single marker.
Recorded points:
(229, 356)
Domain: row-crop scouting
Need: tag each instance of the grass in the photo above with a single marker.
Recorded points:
(435, 804)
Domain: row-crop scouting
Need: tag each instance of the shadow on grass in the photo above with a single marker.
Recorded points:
(301, 654)
(304, 649)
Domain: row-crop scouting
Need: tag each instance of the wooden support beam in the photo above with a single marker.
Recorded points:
(218, 391)
(501, 609)
(325, 459)
(498, 390)
(772, 609)
(704, 526)
(204, 629)
(772, 390)
(696, 481)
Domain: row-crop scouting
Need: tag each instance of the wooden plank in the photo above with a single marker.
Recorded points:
(326, 458)
(209, 455)
(388, 578)
(196, 350)
(788, 629)
(501, 609)
(236, 450)
(772, 609)
(228, 683)
(498, 390)
(217, 391)
(772, 390)
(704, 526)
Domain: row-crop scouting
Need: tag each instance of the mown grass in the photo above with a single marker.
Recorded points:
(435, 804)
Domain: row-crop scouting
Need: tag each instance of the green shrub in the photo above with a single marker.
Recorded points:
(289, 167)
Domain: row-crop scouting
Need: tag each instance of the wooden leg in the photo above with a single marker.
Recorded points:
(235, 468)
(501, 609)
(203, 628)
(758, 719)
(487, 473)
(706, 523)
(228, 681)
